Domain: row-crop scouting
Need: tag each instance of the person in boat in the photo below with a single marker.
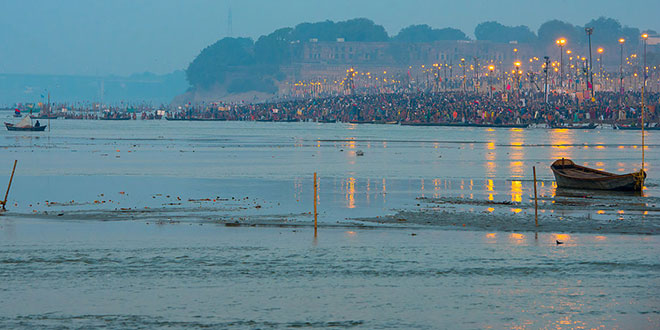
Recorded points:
(37, 124)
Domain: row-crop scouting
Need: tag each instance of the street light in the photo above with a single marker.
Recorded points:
(518, 73)
(600, 65)
(561, 42)
(621, 42)
(570, 74)
(476, 72)
(644, 37)
(590, 67)
(491, 69)
(545, 70)
(464, 77)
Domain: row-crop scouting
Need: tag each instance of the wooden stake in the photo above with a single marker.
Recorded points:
(536, 200)
(9, 186)
(315, 213)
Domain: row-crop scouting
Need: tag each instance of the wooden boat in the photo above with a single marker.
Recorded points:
(206, 119)
(25, 125)
(635, 127)
(460, 124)
(361, 122)
(573, 176)
(588, 126)
(115, 118)
(44, 116)
(12, 127)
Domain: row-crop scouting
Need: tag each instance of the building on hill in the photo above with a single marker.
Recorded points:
(327, 62)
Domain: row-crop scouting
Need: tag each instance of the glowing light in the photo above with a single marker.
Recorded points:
(517, 236)
(351, 193)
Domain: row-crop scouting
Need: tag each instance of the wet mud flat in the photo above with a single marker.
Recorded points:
(343, 202)
(569, 211)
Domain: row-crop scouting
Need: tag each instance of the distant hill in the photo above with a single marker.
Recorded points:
(143, 87)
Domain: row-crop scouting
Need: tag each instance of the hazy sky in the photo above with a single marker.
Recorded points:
(126, 36)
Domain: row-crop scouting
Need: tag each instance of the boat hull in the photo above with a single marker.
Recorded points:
(11, 127)
(572, 176)
(466, 125)
(589, 126)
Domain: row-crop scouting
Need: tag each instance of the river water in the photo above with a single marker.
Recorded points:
(125, 224)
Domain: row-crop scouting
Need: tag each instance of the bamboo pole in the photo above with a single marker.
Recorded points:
(536, 201)
(9, 186)
(643, 86)
(315, 213)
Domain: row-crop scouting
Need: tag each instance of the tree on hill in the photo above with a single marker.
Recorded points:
(496, 32)
(424, 33)
(552, 30)
(274, 49)
(210, 66)
(359, 29)
(606, 31)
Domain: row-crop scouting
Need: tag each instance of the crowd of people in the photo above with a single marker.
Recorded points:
(453, 107)
(419, 107)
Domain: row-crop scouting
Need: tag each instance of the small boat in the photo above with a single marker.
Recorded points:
(587, 126)
(635, 127)
(12, 127)
(206, 119)
(115, 118)
(386, 122)
(361, 122)
(17, 113)
(461, 124)
(573, 176)
(25, 125)
(44, 116)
